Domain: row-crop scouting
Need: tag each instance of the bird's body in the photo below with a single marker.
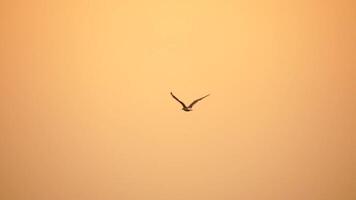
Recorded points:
(190, 107)
(186, 109)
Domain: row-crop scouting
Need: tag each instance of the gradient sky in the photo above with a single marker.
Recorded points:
(85, 110)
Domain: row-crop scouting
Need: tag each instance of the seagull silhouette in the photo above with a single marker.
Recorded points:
(188, 108)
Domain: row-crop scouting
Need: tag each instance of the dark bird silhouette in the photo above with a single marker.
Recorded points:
(188, 108)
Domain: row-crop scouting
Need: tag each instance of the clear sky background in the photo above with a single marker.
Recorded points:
(85, 110)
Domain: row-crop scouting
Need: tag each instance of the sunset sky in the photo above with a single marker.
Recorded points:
(86, 114)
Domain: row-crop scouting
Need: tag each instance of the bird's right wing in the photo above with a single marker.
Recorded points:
(178, 100)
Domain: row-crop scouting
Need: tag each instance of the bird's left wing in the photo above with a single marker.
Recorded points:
(196, 101)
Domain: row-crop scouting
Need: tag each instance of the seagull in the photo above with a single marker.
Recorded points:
(188, 108)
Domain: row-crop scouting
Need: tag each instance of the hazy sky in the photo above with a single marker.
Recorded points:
(86, 114)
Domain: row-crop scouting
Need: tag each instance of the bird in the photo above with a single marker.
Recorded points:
(190, 107)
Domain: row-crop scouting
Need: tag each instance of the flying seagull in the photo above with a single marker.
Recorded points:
(188, 108)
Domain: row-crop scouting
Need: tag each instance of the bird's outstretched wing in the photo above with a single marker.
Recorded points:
(178, 100)
(196, 101)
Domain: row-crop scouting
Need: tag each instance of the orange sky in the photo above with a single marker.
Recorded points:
(85, 110)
